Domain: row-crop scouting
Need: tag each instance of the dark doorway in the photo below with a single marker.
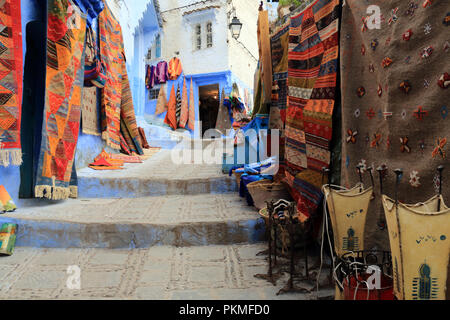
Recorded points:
(209, 106)
(33, 103)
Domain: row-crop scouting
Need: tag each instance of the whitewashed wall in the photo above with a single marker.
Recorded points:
(242, 62)
(178, 35)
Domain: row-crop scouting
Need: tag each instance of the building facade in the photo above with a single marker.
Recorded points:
(197, 33)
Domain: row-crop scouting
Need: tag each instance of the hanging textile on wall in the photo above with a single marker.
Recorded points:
(111, 51)
(280, 48)
(223, 122)
(11, 79)
(265, 64)
(161, 73)
(178, 106)
(184, 106)
(128, 125)
(161, 103)
(150, 78)
(92, 8)
(313, 58)
(56, 177)
(175, 69)
(395, 112)
(191, 121)
(171, 117)
(89, 112)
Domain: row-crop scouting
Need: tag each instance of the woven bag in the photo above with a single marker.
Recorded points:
(266, 190)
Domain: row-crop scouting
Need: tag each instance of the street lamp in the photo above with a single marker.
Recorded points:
(235, 27)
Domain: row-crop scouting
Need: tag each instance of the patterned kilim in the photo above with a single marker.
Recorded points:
(11, 79)
(178, 106)
(184, 106)
(161, 104)
(280, 46)
(395, 109)
(89, 112)
(111, 51)
(171, 117)
(223, 122)
(312, 73)
(128, 125)
(191, 120)
(145, 144)
(66, 34)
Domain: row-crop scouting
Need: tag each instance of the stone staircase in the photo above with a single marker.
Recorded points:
(154, 203)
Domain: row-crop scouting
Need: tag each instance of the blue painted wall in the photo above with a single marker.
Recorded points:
(88, 146)
(224, 79)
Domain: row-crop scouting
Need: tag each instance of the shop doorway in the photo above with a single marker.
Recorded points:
(208, 106)
(33, 104)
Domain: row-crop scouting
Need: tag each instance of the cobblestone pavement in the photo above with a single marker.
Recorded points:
(203, 273)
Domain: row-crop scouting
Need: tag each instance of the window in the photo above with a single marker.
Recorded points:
(153, 93)
(209, 36)
(158, 46)
(149, 54)
(198, 36)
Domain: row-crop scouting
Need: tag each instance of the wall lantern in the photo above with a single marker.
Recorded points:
(235, 27)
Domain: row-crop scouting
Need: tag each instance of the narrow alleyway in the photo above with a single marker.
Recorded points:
(179, 232)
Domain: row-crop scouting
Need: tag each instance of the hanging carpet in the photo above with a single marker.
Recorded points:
(395, 110)
(184, 106)
(56, 178)
(128, 125)
(111, 51)
(171, 117)
(11, 79)
(191, 113)
(312, 73)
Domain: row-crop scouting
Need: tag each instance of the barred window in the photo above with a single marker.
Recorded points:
(153, 93)
(209, 35)
(198, 36)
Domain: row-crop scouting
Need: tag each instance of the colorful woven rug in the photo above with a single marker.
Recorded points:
(191, 120)
(223, 122)
(280, 47)
(111, 51)
(312, 73)
(161, 104)
(62, 113)
(184, 106)
(11, 79)
(8, 233)
(128, 125)
(89, 112)
(171, 117)
(6, 202)
(145, 144)
(178, 106)
(395, 112)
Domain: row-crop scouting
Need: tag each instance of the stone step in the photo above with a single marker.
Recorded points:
(158, 273)
(157, 176)
(220, 219)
